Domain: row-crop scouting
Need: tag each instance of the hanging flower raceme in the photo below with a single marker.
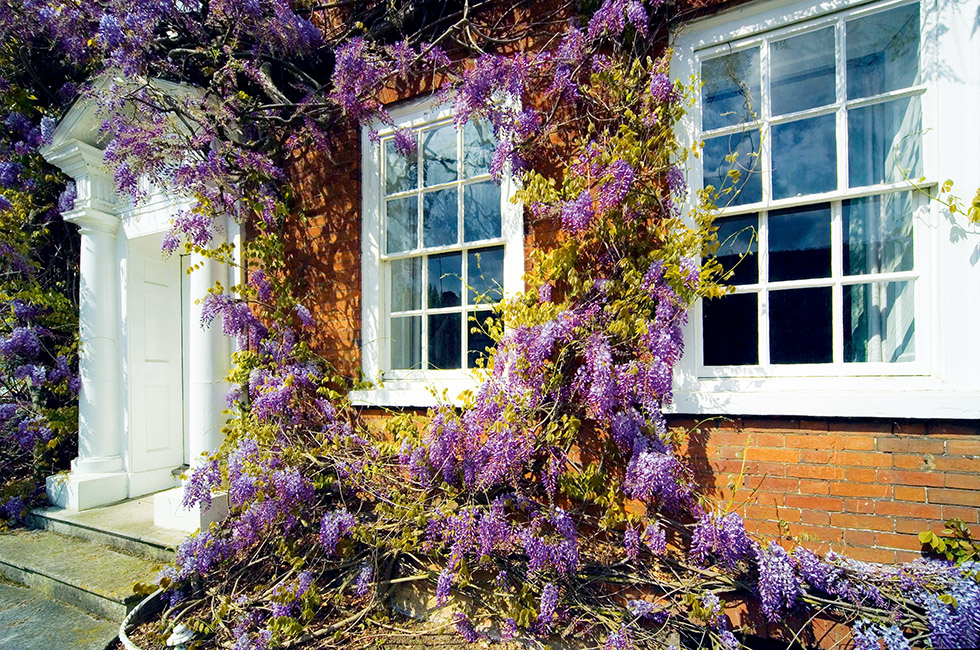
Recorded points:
(358, 73)
(778, 584)
(333, 527)
(237, 318)
(722, 537)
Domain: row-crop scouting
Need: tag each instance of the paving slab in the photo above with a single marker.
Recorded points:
(31, 621)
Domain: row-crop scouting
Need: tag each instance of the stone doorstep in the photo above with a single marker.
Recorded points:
(94, 577)
(127, 526)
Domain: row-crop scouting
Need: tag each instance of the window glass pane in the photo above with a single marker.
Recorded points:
(481, 211)
(440, 225)
(745, 148)
(478, 147)
(445, 280)
(403, 223)
(799, 243)
(738, 237)
(882, 51)
(439, 155)
(485, 268)
(803, 72)
(800, 326)
(406, 343)
(884, 142)
(406, 284)
(731, 330)
(731, 89)
(444, 341)
(879, 322)
(878, 234)
(478, 342)
(804, 157)
(401, 173)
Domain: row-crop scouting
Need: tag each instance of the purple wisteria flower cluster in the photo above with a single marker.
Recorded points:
(39, 381)
(603, 189)
(721, 537)
(778, 585)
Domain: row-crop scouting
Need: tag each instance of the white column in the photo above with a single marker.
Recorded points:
(210, 360)
(98, 474)
(99, 409)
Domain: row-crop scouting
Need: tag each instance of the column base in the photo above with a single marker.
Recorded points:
(98, 465)
(77, 491)
(168, 511)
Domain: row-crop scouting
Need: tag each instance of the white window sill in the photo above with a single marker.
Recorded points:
(884, 397)
(809, 397)
(418, 394)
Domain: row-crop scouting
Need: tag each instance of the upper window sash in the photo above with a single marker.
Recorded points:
(745, 124)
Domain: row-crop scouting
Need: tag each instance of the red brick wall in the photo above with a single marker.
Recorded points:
(323, 247)
(864, 486)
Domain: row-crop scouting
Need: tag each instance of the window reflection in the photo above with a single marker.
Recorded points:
(804, 157)
(731, 165)
(879, 322)
(730, 94)
(439, 155)
(884, 142)
(731, 330)
(799, 243)
(800, 326)
(883, 52)
(738, 243)
(803, 72)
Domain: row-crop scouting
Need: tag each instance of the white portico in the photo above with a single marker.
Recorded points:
(152, 379)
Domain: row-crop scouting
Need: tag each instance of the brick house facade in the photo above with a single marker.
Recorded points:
(854, 480)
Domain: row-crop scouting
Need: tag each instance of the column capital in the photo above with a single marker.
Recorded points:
(90, 220)
(85, 164)
(76, 158)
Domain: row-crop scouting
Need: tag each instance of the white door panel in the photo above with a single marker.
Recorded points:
(156, 409)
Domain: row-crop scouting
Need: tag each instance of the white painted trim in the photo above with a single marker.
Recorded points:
(407, 394)
(414, 388)
(827, 399)
(944, 382)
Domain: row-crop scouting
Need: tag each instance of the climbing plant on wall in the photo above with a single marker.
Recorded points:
(552, 503)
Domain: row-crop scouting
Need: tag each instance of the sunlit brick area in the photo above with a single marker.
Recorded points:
(864, 486)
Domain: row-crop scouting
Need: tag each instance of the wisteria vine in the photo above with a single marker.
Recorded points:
(554, 502)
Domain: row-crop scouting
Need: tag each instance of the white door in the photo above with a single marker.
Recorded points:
(156, 359)
(185, 381)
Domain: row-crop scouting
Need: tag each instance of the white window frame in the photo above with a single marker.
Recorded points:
(419, 388)
(936, 383)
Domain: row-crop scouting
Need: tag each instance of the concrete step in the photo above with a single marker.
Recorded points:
(127, 526)
(91, 576)
(33, 621)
